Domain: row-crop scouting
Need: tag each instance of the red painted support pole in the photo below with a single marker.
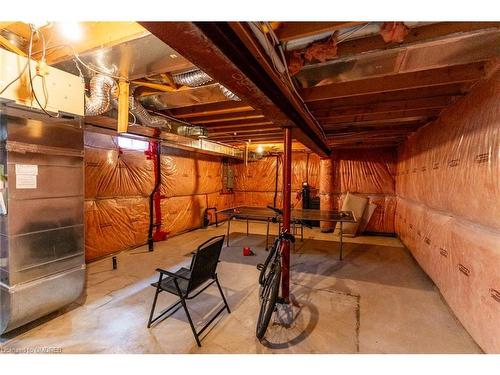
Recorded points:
(287, 206)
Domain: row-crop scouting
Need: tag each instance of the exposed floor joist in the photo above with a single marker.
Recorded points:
(397, 82)
(221, 54)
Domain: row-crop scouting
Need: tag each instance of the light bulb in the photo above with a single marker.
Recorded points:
(71, 30)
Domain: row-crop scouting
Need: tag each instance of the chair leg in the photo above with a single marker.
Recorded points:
(153, 307)
(190, 322)
(222, 294)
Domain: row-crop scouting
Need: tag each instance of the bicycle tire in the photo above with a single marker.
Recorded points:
(264, 275)
(268, 300)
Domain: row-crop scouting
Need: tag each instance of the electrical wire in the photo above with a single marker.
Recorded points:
(34, 31)
(16, 78)
(77, 57)
(279, 46)
(289, 77)
(359, 28)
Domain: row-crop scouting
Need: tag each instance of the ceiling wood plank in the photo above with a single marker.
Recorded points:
(455, 90)
(210, 109)
(244, 129)
(383, 107)
(379, 116)
(404, 81)
(227, 117)
(238, 123)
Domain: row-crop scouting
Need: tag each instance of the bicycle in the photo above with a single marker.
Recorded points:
(269, 280)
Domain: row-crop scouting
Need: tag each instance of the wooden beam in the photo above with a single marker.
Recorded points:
(394, 115)
(263, 133)
(210, 109)
(452, 90)
(238, 123)
(295, 30)
(404, 81)
(418, 34)
(223, 51)
(378, 124)
(383, 107)
(227, 117)
(245, 129)
(388, 130)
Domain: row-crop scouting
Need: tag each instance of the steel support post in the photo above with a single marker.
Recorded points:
(287, 193)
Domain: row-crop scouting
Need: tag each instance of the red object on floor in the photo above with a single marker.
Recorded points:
(247, 252)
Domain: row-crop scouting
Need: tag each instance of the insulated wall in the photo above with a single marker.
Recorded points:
(448, 207)
(119, 181)
(117, 187)
(190, 183)
(369, 173)
(255, 184)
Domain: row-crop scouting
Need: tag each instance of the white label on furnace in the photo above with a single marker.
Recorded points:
(29, 169)
(26, 181)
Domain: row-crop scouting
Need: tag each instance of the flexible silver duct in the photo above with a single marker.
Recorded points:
(193, 78)
(196, 78)
(99, 99)
(228, 93)
(146, 118)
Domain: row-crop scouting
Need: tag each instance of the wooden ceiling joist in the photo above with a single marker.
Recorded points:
(227, 117)
(238, 123)
(242, 129)
(404, 81)
(210, 109)
(383, 107)
(380, 116)
(451, 90)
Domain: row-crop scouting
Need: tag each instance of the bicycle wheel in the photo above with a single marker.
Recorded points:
(268, 300)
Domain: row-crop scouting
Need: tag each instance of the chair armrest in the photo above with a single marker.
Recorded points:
(171, 274)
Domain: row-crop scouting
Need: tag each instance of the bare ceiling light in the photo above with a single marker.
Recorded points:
(259, 149)
(173, 56)
(71, 30)
(235, 133)
(39, 23)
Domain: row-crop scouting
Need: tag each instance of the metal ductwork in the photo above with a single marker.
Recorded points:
(192, 131)
(192, 78)
(146, 118)
(195, 78)
(170, 125)
(229, 94)
(99, 101)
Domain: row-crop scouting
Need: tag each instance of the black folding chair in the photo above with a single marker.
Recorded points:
(200, 275)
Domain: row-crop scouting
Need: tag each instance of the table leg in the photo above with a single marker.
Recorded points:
(340, 256)
(228, 226)
(247, 226)
(302, 232)
(267, 235)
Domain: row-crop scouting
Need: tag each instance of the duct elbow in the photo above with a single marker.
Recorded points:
(99, 100)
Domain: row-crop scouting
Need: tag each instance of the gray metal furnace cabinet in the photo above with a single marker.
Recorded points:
(42, 263)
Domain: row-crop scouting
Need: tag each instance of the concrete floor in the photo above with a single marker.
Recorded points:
(377, 300)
